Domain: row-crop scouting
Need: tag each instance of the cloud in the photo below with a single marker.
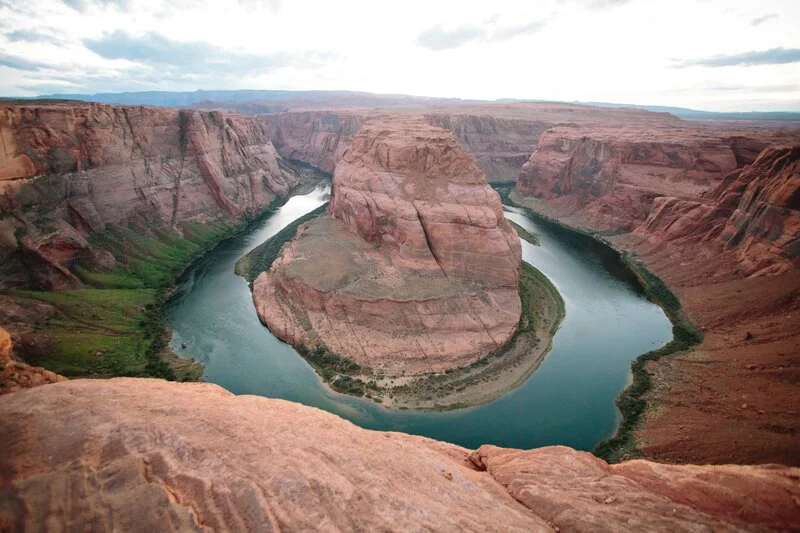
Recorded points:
(773, 56)
(156, 50)
(437, 38)
(758, 20)
(607, 4)
(599, 4)
(503, 33)
(33, 36)
(20, 63)
(83, 6)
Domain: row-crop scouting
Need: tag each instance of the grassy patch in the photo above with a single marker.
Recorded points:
(260, 259)
(114, 326)
(524, 234)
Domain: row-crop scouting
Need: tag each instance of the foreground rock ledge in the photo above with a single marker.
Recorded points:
(415, 270)
(147, 455)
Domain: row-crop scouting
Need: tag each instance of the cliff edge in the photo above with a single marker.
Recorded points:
(148, 455)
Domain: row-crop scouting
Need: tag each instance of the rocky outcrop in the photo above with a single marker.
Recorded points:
(69, 170)
(148, 455)
(420, 268)
(15, 375)
(755, 212)
(612, 175)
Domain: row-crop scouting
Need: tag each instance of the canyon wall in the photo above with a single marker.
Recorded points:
(320, 138)
(68, 170)
(317, 138)
(754, 212)
(135, 454)
(714, 212)
(420, 267)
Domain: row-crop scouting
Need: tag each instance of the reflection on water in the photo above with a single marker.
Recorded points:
(569, 400)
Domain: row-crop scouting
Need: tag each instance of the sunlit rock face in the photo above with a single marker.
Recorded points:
(414, 270)
(69, 169)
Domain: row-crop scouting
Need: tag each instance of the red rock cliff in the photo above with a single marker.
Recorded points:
(67, 170)
(414, 271)
(754, 212)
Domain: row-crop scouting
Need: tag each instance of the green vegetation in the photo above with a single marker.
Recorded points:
(338, 371)
(533, 284)
(260, 259)
(631, 402)
(114, 326)
(524, 234)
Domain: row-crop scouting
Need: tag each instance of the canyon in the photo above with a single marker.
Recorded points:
(708, 206)
(415, 247)
(719, 225)
(421, 269)
(100, 207)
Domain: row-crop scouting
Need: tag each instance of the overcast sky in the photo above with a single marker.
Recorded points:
(715, 55)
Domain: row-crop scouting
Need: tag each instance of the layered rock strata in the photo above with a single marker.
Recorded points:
(147, 455)
(68, 170)
(754, 212)
(415, 269)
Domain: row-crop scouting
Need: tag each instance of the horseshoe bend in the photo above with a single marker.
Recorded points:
(414, 269)
(251, 309)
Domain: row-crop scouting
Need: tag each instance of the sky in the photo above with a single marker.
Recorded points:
(703, 54)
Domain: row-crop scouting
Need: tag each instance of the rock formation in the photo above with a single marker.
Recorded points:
(719, 223)
(317, 138)
(613, 174)
(754, 211)
(415, 270)
(500, 145)
(67, 170)
(147, 455)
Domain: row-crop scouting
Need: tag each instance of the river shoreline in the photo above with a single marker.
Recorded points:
(485, 380)
(631, 402)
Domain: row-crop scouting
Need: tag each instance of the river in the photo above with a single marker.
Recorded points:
(569, 400)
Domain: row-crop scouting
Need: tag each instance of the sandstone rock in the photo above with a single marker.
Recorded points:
(420, 268)
(148, 455)
(318, 138)
(613, 174)
(15, 375)
(753, 213)
(68, 170)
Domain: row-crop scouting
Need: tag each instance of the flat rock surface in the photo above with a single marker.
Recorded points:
(147, 455)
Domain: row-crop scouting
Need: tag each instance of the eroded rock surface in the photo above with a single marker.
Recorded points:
(69, 170)
(15, 375)
(415, 270)
(148, 455)
(726, 244)
(755, 212)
